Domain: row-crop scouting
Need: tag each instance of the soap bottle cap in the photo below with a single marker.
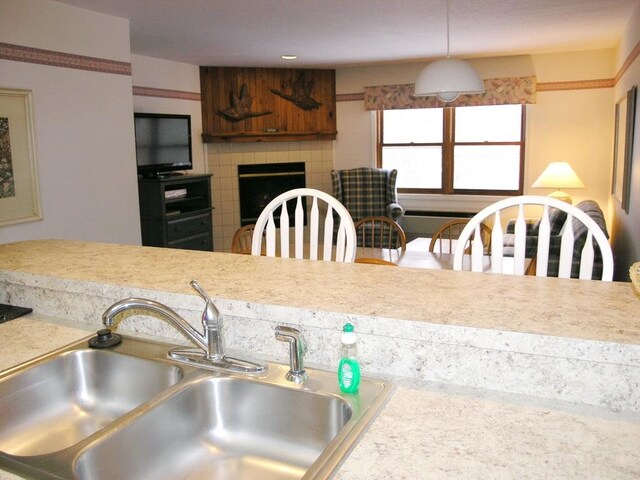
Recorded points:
(348, 335)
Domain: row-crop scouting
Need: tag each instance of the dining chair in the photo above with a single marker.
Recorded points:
(572, 250)
(380, 237)
(448, 234)
(380, 232)
(309, 241)
(241, 242)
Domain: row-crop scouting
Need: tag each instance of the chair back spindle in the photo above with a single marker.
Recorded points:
(378, 232)
(544, 234)
(497, 244)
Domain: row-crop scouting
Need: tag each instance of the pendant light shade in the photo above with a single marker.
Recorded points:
(447, 78)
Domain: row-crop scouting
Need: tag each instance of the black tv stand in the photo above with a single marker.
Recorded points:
(154, 175)
(175, 211)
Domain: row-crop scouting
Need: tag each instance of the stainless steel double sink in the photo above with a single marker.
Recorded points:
(130, 413)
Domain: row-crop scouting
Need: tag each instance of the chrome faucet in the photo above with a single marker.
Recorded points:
(297, 349)
(212, 324)
(210, 352)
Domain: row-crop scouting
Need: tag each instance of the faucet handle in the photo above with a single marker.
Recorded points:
(211, 315)
(297, 349)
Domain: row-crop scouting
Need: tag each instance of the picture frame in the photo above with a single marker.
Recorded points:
(623, 147)
(19, 186)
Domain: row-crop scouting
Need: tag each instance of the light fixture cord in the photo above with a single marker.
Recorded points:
(447, 28)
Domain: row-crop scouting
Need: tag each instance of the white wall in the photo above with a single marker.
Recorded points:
(83, 123)
(574, 125)
(626, 226)
(360, 125)
(164, 74)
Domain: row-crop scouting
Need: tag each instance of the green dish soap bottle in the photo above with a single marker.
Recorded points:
(349, 367)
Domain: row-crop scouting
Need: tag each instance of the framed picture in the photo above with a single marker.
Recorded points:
(19, 193)
(623, 148)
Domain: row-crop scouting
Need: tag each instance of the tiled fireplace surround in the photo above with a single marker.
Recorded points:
(223, 160)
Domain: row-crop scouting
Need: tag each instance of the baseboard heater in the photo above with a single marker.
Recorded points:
(421, 213)
(421, 223)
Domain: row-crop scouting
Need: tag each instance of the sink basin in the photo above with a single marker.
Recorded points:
(57, 403)
(129, 412)
(222, 428)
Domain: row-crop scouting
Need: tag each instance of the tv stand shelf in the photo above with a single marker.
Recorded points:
(176, 222)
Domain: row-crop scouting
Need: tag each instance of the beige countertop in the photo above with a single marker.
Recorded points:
(413, 323)
(568, 308)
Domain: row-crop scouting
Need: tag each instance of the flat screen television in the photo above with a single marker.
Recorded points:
(163, 143)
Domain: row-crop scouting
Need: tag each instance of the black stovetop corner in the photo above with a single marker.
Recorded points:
(9, 312)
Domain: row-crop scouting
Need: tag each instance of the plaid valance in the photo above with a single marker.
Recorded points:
(498, 91)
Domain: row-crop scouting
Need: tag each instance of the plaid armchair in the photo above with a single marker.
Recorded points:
(367, 192)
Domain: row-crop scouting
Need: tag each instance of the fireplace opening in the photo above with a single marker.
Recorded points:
(261, 183)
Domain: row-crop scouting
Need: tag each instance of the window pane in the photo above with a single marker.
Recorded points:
(493, 123)
(480, 167)
(421, 125)
(418, 167)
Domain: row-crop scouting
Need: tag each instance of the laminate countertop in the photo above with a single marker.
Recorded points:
(428, 429)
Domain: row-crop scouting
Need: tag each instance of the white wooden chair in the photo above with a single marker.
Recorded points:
(345, 247)
(517, 263)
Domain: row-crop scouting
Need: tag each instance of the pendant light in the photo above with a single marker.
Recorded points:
(448, 77)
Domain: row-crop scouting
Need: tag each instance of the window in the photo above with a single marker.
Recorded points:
(463, 150)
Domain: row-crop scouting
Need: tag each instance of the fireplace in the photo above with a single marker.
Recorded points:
(261, 183)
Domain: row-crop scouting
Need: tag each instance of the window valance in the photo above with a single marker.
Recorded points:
(498, 91)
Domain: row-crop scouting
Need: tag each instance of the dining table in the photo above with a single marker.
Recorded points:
(417, 255)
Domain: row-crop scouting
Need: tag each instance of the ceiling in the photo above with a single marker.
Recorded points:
(340, 33)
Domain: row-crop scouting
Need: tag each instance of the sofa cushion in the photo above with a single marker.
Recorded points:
(556, 222)
(592, 209)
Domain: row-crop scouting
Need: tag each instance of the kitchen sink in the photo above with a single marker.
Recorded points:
(222, 428)
(63, 400)
(129, 412)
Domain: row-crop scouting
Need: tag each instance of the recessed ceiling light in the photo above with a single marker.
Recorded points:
(289, 57)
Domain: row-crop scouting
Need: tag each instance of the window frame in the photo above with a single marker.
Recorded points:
(448, 144)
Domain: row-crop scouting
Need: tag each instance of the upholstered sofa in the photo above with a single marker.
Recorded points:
(557, 219)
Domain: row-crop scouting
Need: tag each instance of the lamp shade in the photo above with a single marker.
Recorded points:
(558, 175)
(447, 78)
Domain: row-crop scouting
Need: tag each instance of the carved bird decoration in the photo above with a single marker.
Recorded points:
(301, 95)
(240, 106)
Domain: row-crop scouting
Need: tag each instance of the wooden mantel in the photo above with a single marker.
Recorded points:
(267, 104)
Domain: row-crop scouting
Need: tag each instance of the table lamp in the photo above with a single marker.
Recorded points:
(558, 175)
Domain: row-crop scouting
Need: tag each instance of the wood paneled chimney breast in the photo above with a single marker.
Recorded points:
(267, 104)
